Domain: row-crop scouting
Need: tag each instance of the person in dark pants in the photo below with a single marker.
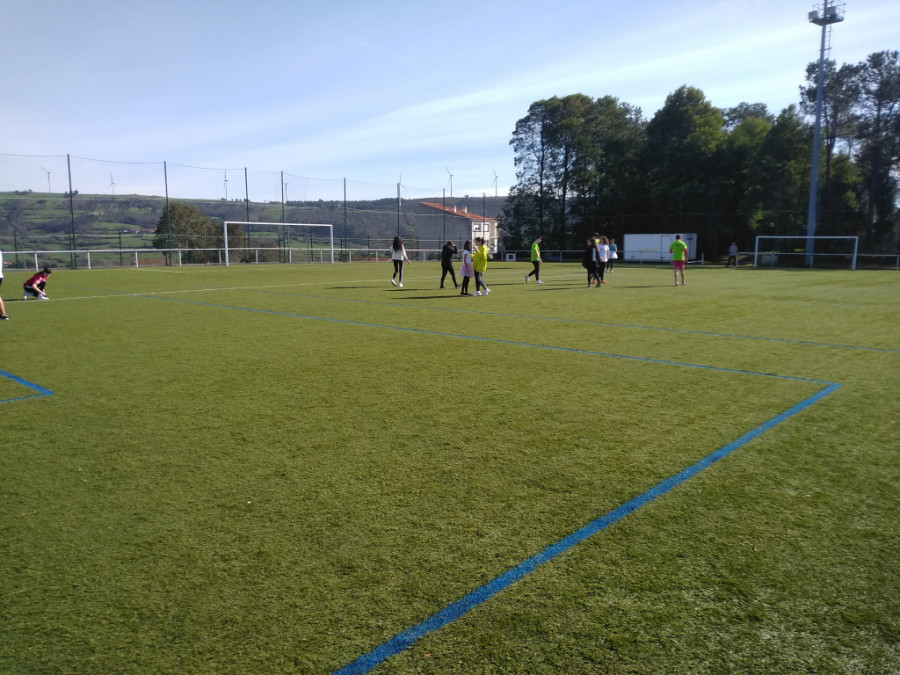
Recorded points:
(590, 261)
(36, 284)
(447, 254)
(536, 261)
(398, 255)
(732, 255)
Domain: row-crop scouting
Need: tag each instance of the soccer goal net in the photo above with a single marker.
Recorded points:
(251, 242)
(798, 251)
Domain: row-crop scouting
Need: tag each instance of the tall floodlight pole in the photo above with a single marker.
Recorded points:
(830, 14)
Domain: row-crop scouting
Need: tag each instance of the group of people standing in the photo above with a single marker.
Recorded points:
(598, 258)
(474, 264)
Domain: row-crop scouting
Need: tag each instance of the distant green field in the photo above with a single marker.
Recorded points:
(262, 469)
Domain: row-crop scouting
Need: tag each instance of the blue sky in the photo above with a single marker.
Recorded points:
(374, 92)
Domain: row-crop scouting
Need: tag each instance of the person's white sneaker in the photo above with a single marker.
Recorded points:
(526, 278)
(477, 293)
(393, 283)
(539, 282)
(487, 291)
(401, 285)
(43, 297)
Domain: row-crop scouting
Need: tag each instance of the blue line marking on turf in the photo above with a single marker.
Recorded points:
(457, 609)
(402, 641)
(40, 391)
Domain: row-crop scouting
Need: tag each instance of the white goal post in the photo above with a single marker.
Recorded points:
(282, 244)
(772, 249)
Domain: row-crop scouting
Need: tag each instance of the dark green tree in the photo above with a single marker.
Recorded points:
(744, 111)
(605, 171)
(778, 191)
(840, 120)
(738, 158)
(879, 135)
(184, 227)
(683, 138)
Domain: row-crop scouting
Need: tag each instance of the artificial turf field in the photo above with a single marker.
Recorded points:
(272, 469)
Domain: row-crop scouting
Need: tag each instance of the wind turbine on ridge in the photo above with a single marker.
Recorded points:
(48, 179)
(451, 182)
(496, 178)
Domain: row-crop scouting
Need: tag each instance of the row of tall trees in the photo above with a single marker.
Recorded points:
(587, 165)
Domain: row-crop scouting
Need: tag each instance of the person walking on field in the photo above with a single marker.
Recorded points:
(679, 251)
(590, 261)
(398, 255)
(732, 255)
(466, 271)
(36, 284)
(536, 260)
(613, 254)
(3, 316)
(447, 254)
(603, 249)
(479, 264)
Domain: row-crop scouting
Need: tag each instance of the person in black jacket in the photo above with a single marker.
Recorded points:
(447, 254)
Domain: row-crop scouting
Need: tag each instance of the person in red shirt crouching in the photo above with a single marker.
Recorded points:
(36, 284)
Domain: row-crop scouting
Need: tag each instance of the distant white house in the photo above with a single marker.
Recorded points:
(478, 225)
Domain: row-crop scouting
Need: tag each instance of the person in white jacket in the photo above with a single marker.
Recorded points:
(398, 256)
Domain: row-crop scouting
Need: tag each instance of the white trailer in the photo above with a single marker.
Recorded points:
(654, 247)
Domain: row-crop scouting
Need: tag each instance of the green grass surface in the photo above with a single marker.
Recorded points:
(278, 468)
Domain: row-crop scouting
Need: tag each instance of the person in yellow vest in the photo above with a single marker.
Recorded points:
(479, 264)
(536, 260)
(679, 251)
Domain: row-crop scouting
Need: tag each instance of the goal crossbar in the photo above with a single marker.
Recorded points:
(226, 223)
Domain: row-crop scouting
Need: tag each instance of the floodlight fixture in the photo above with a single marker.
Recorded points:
(829, 13)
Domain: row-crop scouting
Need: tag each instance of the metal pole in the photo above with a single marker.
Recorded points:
(74, 258)
(817, 131)
(444, 214)
(398, 209)
(168, 217)
(344, 239)
(246, 194)
(829, 16)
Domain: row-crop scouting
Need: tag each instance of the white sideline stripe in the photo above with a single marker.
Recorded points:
(380, 280)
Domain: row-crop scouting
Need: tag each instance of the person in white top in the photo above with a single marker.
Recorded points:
(466, 271)
(603, 249)
(398, 256)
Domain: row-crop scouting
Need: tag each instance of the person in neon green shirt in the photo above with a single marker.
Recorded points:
(479, 265)
(536, 260)
(679, 251)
